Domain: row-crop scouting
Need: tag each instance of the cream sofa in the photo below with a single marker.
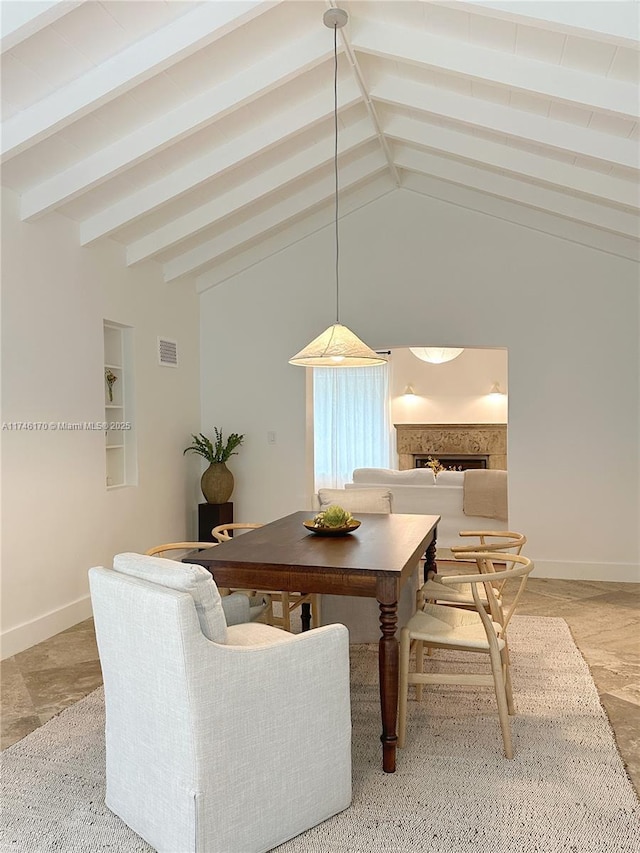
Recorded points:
(418, 490)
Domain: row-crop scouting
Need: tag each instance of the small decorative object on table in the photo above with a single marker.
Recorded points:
(111, 379)
(334, 521)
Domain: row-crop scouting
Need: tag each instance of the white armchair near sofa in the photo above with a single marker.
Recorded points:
(464, 500)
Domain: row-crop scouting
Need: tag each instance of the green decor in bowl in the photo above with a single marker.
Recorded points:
(312, 527)
(333, 521)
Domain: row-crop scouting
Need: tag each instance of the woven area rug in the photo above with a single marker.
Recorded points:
(566, 789)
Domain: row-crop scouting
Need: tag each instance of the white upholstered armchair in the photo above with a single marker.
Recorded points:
(195, 710)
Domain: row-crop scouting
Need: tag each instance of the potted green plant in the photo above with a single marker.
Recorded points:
(217, 481)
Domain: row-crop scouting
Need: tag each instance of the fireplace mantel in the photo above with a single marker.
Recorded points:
(454, 439)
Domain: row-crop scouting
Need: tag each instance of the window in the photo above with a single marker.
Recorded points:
(351, 422)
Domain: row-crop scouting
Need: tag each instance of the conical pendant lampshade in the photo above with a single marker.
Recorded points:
(337, 346)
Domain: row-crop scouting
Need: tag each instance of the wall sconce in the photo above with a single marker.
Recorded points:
(409, 392)
(496, 389)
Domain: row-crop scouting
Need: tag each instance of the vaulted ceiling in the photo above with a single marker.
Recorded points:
(200, 134)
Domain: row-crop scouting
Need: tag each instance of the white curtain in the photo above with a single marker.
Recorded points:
(351, 422)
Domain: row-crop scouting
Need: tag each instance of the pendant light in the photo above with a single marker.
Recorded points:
(337, 346)
(436, 355)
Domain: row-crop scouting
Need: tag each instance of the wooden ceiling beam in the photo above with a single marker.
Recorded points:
(497, 68)
(125, 70)
(21, 20)
(494, 155)
(307, 224)
(604, 21)
(282, 126)
(526, 193)
(289, 61)
(527, 126)
(277, 216)
(273, 180)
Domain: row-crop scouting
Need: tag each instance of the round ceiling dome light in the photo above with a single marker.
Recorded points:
(436, 355)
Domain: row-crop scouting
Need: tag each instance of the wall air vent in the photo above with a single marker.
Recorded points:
(167, 352)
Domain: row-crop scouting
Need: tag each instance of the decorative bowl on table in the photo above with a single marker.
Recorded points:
(319, 530)
(333, 521)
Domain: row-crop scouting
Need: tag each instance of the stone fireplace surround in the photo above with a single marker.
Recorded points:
(452, 439)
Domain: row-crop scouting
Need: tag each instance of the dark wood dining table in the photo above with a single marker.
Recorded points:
(374, 561)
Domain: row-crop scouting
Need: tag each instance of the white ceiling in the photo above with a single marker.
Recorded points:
(200, 134)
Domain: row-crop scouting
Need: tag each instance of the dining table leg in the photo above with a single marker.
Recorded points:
(430, 565)
(305, 617)
(387, 595)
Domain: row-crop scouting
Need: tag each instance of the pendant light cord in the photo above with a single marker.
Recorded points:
(335, 162)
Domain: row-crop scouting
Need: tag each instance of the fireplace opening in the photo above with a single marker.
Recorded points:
(457, 446)
(459, 462)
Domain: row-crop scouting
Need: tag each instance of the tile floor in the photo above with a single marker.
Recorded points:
(604, 619)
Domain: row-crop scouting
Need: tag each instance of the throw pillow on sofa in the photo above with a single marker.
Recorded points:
(450, 478)
(356, 500)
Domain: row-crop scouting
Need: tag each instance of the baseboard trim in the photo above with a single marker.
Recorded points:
(612, 572)
(580, 571)
(22, 637)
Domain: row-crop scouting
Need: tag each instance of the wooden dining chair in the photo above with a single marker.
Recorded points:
(507, 541)
(460, 594)
(259, 604)
(482, 631)
(289, 601)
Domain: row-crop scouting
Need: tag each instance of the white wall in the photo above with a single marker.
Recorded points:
(455, 392)
(414, 268)
(57, 517)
